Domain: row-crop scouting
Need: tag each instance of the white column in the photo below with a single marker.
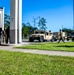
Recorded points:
(20, 20)
(2, 18)
(13, 21)
(16, 22)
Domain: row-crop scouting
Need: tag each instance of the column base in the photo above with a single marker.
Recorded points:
(12, 37)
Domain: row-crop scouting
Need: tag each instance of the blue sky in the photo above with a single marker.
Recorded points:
(58, 13)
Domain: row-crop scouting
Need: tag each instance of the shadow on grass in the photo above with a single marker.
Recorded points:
(65, 46)
(4, 45)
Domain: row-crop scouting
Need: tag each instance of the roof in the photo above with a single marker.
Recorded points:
(1, 7)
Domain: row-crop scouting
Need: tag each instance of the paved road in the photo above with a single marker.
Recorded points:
(57, 53)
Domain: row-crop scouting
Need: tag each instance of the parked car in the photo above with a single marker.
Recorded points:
(56, 35)
(71, 36)
(41, 36)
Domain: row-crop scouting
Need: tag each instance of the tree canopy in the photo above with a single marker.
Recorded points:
(68, 31)
(42, 24)
(6, 20)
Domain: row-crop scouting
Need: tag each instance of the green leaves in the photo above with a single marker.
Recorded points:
(27, 29)
(6, 20)
(42, 24)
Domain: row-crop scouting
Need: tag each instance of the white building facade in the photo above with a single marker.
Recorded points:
(2, 18)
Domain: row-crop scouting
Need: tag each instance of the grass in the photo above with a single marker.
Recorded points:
(68, 46)
(16, 63)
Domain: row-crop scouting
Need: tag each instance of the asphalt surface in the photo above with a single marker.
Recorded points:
(44, 52)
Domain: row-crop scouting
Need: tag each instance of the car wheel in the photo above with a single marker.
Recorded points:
(30, 39)
(73, 39)
(41, 39)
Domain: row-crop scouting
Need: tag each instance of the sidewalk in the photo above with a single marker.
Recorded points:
(57, 53)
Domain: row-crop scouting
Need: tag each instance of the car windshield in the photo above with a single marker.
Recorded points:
(36, 32)
(39, 32)
(42, 32)
(72, 33)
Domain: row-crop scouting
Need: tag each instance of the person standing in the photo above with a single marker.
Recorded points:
(7, 34)
(60, 36)
(4, 35)
(0, 35)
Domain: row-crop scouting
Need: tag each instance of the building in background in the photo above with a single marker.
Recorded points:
(2, 18)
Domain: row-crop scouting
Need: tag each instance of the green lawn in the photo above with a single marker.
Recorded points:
(16, 63)
(68, 46)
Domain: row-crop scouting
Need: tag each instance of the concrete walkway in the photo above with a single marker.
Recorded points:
(57, 53)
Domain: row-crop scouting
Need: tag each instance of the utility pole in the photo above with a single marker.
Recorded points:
(73, 25)
(39, 21)
(73, 14)
(62, 27)
(34, 20)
